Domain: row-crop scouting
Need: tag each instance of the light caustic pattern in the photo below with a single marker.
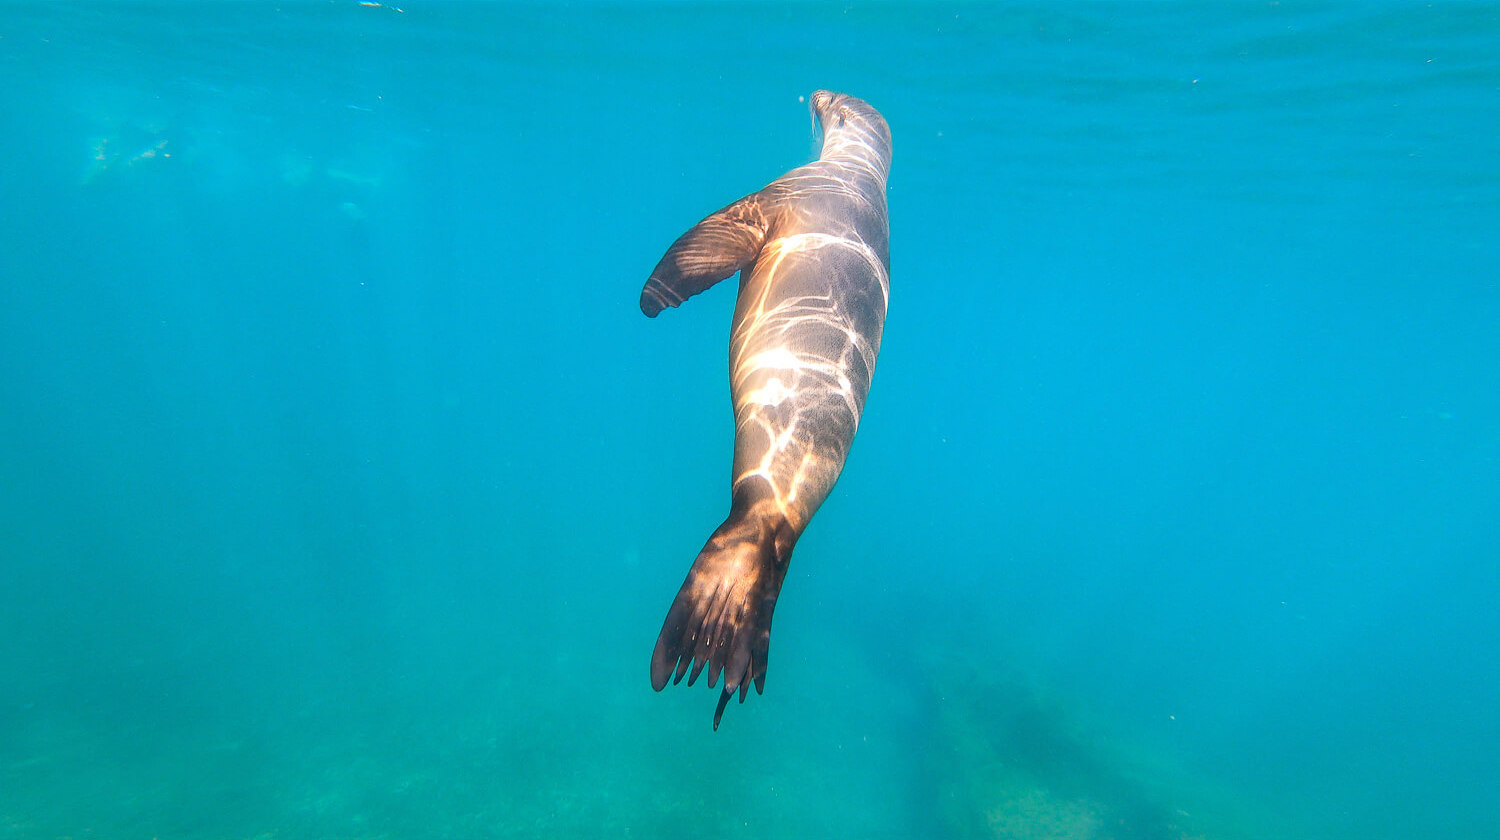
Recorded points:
(801, 368)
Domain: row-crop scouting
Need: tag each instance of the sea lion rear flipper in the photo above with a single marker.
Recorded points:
(721, 617)
(710, 251)
(724, 701)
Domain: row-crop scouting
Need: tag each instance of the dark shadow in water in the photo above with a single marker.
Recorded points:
(1041, 746)
(1005, 759)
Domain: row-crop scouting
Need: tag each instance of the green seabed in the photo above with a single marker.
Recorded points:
(982, 755)
(1012, 768)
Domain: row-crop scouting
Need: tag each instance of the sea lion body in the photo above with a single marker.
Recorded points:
(812, 249)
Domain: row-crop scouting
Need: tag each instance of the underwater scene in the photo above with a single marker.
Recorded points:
(345, 488)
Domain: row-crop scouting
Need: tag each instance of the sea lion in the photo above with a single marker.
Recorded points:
(812, 249)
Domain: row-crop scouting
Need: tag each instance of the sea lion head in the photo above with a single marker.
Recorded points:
(851, 125)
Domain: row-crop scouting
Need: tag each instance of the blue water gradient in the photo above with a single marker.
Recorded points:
(343, 487)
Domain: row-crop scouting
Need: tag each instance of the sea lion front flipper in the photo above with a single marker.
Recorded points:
(710, 251)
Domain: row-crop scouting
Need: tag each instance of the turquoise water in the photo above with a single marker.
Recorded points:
(343, 486)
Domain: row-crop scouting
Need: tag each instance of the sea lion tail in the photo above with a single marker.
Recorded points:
(721, 617)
